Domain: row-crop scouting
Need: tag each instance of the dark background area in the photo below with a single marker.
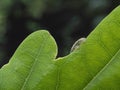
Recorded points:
(66, 20)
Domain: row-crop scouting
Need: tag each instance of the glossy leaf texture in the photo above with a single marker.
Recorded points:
(94, 66)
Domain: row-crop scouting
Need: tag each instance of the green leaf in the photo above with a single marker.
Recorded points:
(30, 63)
(94, 66)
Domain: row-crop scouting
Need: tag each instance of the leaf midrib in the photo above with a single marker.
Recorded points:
(34, 64)
(102, 70)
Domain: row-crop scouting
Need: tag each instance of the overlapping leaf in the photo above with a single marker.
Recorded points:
(95, 66)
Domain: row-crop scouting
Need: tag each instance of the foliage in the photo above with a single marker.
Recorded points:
(95, 65)
(65, 20)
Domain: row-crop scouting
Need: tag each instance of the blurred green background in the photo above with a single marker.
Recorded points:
(66, 20)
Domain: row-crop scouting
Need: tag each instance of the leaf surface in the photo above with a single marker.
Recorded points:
(94, 66)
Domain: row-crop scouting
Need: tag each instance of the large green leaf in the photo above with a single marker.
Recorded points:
(94, 66)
